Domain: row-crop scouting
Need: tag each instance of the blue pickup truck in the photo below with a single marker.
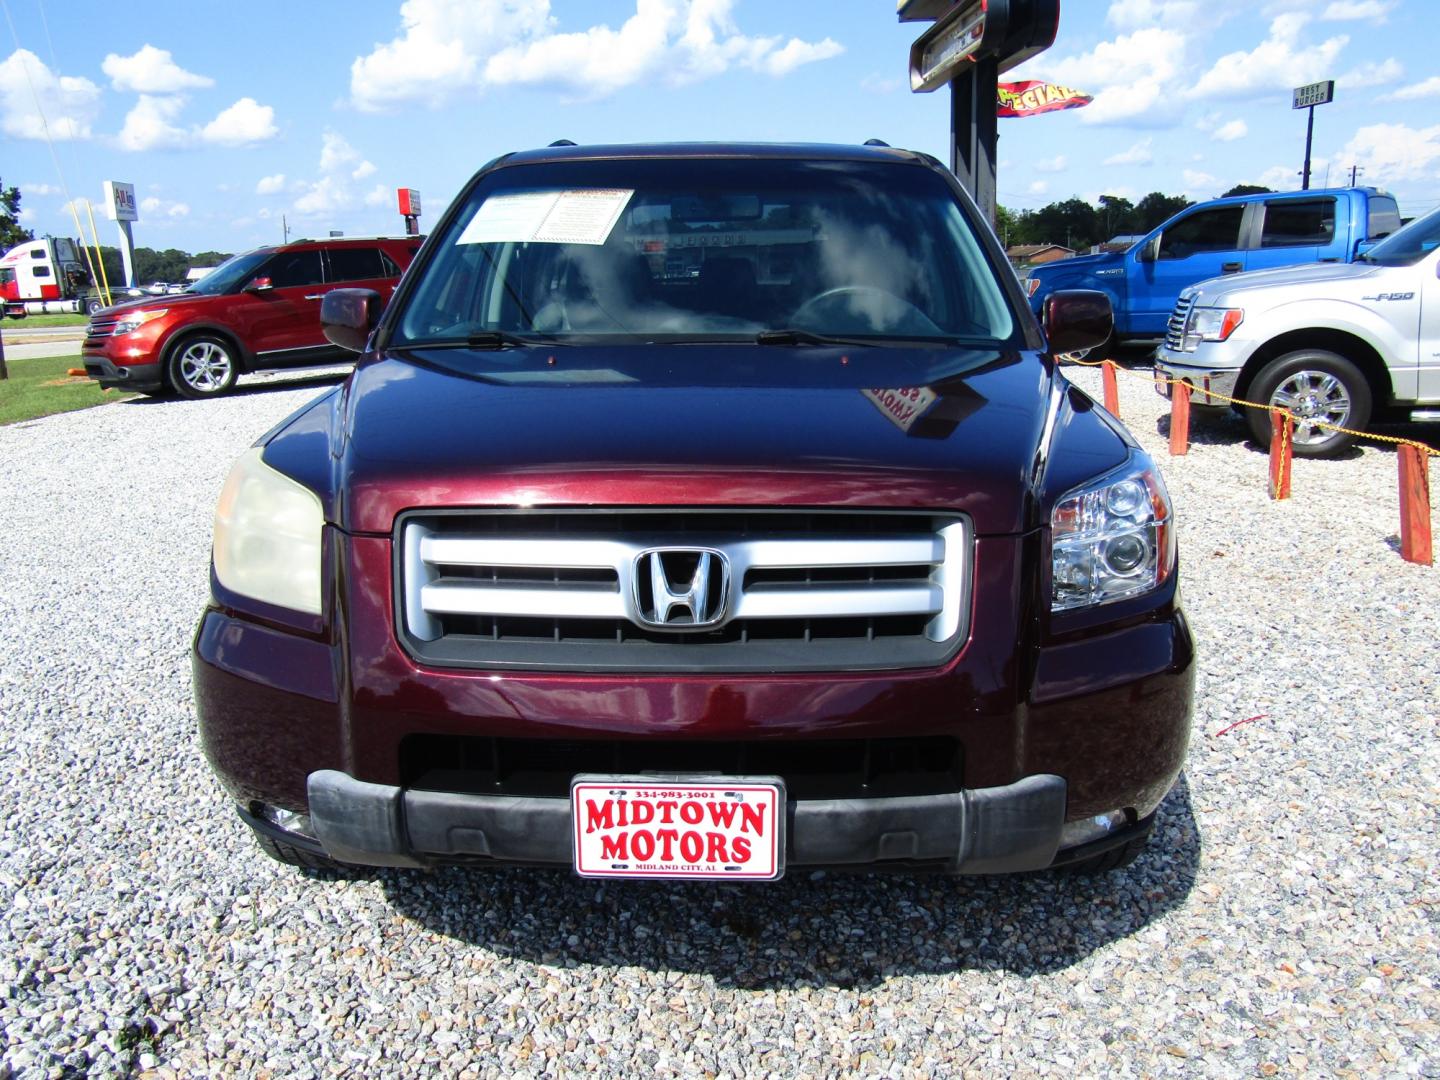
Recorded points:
(1223, 236)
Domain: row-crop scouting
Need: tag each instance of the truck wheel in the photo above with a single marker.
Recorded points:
(1315, 386)
(93, 305)
(202, 366)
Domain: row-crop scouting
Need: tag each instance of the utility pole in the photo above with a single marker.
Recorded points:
(285, 228)
(1353, 170)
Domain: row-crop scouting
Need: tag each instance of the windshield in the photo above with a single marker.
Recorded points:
(708, 250)
(1410, 244)
(231, 274)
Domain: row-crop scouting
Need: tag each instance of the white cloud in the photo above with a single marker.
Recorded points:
(1038, 187)
(151, 71)
(1392, 152)
(1133, 14)
(39, 189)
(795, 53)
(1196, 181)
(1059, 163)
(875, 83)
(69, 104)
(1230, 131)
(148, 125)
(1339, 10)
(1427, 88)
(451, 47)
(242, 124)
(1131, 77)
(1280, 62)
(270, 185)
(1372, 74)
(333, 193)
(1281, 177)
(153, 207)
(1139, 154)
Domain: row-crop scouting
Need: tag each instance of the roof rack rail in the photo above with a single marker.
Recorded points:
(563, 142)
(877, 142)
(348, 236)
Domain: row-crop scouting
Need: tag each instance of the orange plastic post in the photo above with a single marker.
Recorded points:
(1415, 543)
(1282, 431)
(1179, 418)
(1112, 392)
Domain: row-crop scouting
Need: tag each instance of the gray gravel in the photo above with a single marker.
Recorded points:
(1284, 921)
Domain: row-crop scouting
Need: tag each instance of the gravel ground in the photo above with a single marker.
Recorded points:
(1283, 922)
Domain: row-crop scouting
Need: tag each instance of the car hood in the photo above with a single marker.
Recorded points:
(693, 426)
(1080, 264)
(169, 302)
(1284, 277)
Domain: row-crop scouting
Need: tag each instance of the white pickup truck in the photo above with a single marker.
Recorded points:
(1335, 344)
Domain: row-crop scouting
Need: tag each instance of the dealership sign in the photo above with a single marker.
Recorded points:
(1032, 98)
(120, 201)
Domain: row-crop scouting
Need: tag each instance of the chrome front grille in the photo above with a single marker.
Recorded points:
(1175, 328)
(576, 591)
(101, 328)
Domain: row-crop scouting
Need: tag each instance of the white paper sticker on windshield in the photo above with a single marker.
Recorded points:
(584, 216)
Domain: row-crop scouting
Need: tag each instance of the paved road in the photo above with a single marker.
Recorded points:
(35, 349)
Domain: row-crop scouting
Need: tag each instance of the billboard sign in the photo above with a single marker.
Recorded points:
(409, 201)
(120, 202)
(1320, 93)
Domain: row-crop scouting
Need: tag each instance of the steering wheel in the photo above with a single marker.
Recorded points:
(846, 307)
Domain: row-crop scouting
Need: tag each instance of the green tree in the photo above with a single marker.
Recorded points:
(11, 231)
(1156, 208)
(1246, 189)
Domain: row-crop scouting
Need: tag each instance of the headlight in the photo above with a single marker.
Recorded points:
(267, 536)
(136, 319)
(1210, 324)
(1112, 539)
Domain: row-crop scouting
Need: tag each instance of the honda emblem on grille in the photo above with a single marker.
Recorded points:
(681, 588)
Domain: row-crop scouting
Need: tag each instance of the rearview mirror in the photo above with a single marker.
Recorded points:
(1076, 319)
(348, 315)
(259, 284)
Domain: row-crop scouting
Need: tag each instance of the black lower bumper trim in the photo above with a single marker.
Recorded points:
(980, 831)
(141, 377)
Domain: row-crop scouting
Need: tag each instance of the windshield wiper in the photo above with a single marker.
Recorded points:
(485, 339)
(803, 337)
(792, 336)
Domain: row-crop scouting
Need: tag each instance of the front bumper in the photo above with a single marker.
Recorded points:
(1014, 828)
(134, 377)
(1203, 380)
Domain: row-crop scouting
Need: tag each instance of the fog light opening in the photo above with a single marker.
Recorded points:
(289, 820)
(1089, 829)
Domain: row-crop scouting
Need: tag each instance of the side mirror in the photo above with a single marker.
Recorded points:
(259, 284)
(1076, 319)
(1151, 251)
(348, 315)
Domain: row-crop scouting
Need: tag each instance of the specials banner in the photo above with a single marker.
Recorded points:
(1032, 98)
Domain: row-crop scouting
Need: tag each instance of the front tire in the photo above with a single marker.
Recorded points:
(1314, 385)
(202, 366)
(93, 305)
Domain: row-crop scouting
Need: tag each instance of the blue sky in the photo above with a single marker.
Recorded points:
(226, 117)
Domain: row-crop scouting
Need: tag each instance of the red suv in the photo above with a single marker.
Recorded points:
(255, 312)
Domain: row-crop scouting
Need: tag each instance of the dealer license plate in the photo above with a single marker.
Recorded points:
(728, 828)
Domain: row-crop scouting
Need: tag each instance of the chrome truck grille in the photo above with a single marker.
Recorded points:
(682, 590)
(101, 328)
(1175, 328)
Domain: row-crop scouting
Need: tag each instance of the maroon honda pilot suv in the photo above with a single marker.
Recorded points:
(253, 312)
(700, 512)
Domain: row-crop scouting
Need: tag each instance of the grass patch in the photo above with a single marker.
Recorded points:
(41, 387)
(46, 320)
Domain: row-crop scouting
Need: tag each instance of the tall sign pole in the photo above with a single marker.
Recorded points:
(970, 44)
(1307, 97)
